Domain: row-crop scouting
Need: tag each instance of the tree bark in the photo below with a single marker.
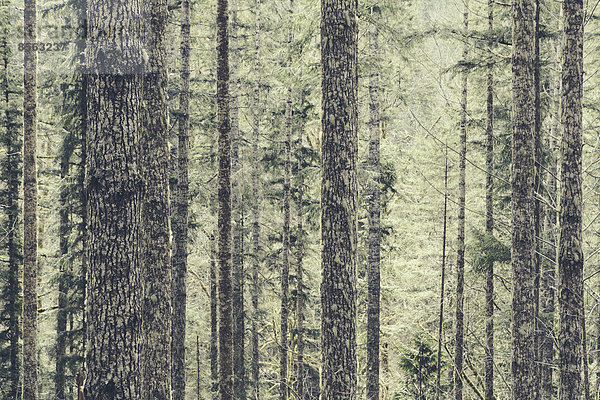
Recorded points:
(522, 182)
(299, 276)
(156, 258)
(489, 220)
(224, 201)
(374, 258)
(537, 210)
(339, 198)
(256, 189)
(30, 325)
(181, 212)
(114, 186)
(570, 254)
(214, 349)
(460, 259)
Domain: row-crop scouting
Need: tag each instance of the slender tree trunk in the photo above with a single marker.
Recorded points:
(460, 260)
(438, 386)
(237, 206)
(114, 186)
(300, 276)
(30, 326)
(285, 271)
(537, 211)
(339, 198)
(584, 352)
(224, 201)
(256, 185)
(373, 308)
(11, 172)
(489, 219)
(214, 349)
(570, 254)
(181, 211)
(522, 182)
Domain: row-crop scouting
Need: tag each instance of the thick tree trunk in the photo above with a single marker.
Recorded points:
(156, 256)
(114, 186)
(180, 222)
(522, 182)
(224, 202)
(30, 326)
(339, 198)
(460, 259)
(373, 272)
(570, 254)
(256, 185)
(489, 219)
(438, 386)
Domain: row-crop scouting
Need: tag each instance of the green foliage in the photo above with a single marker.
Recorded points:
(486, 250)
(419, 362)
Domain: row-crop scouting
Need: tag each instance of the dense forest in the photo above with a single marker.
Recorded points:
(281, 199)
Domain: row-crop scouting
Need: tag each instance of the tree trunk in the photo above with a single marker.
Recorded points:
(339, 198)
(489, 219)
(114, 186)
(180, 222)
(570, 254)
(156, 258)
(373, 308)
(30, 325)
(522, 182)
(224, 201)
(299, 276)
(256, 185)
(460, 259)
(285, 271)
(214, 349)
(438, 386)
(537, 211)
(237, 207)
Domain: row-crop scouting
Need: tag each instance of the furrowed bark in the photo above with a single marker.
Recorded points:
(339, 198)
(570, 254)
(522, 182)
(114, 188)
